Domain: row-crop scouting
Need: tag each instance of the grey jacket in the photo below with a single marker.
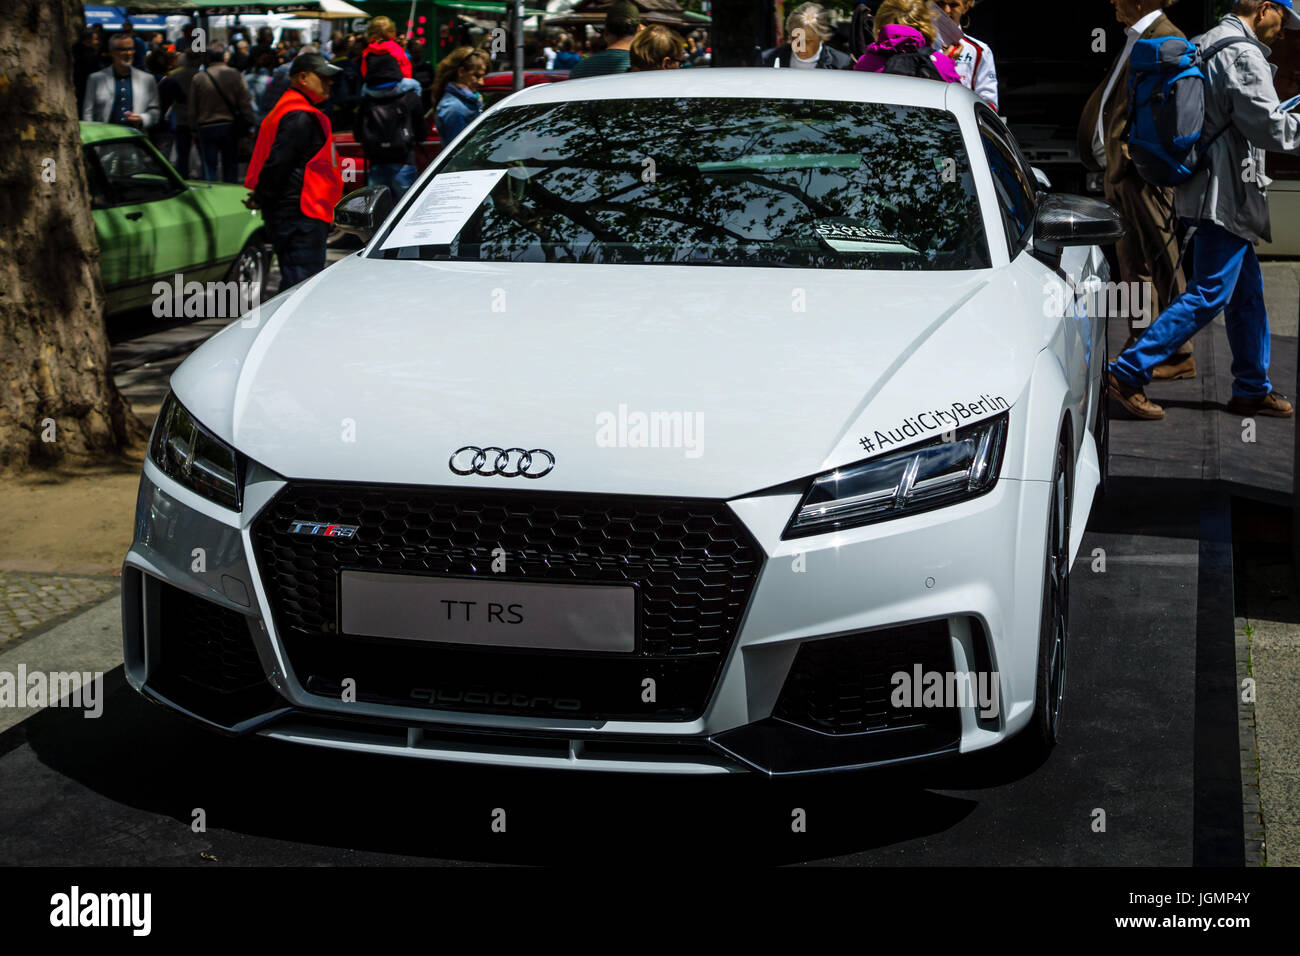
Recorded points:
(100, 87)
(1232, 191)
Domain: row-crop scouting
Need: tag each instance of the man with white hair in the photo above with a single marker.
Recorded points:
(807, 29)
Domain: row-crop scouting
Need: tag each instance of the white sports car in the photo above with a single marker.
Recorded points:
(698, 421)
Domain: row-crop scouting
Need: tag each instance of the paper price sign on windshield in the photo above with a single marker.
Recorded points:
(443, 208)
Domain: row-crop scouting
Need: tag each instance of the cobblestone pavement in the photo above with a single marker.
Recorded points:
(28, 601)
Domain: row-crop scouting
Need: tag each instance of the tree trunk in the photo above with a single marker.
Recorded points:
(58, 402)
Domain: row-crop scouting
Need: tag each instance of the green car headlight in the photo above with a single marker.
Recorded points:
(921, 478)
(189, 453)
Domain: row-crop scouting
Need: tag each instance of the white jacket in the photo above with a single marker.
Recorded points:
(98, 105)
(978, 73)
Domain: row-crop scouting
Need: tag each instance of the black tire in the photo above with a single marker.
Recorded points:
(1036, 741)
(252, 265)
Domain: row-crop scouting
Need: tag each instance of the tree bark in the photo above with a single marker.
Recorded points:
(58, 402)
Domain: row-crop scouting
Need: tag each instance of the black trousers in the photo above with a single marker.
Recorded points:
(299, 244)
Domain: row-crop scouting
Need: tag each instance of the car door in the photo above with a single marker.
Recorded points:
(164, 230)
(1064, 290)
(119, 245)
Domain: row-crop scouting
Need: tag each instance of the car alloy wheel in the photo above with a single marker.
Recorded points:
(249, 269)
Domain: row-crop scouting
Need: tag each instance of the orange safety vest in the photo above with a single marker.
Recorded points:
(322, 187)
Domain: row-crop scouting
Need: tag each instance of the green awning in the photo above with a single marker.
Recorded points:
(484, 6)
(220, 7)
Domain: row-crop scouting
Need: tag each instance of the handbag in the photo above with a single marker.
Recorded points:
(238, 125)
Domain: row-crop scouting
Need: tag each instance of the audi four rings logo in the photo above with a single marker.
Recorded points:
(506, 462)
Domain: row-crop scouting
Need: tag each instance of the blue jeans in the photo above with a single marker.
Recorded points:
(218, 140)
(299, 246)
(398, 177)
(1225, 277)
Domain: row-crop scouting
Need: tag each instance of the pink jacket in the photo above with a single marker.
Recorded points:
(388, 46)
(896, 38)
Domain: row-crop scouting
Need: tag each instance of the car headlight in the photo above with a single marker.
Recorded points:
(923, 477)
(190, 454)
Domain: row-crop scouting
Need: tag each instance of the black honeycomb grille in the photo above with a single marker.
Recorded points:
(206, 644)
(844, 685)
(693, 564)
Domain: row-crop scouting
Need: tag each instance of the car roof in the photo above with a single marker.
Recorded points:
(751, 83)
(98, 132)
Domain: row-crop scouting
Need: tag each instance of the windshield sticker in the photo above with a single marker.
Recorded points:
(846, 235)
(443, 208)
(930, 422)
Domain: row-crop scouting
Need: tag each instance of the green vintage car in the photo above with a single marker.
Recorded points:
(154, 226)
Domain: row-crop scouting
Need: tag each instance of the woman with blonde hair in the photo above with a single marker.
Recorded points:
(904, 44)
(455, 90)
(655, 48)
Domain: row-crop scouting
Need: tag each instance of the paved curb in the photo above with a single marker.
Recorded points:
(1252, 815)
(89, 641)
(45, 624)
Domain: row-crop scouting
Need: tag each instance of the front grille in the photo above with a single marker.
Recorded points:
(691, 562)
(843, 685)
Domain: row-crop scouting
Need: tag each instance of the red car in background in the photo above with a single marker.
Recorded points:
(496, 86)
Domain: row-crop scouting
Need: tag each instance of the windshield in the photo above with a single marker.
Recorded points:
(690, 181)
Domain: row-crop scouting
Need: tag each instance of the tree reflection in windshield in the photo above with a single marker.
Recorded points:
(724, 181)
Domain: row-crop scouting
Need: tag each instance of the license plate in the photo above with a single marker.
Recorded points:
(561, 617)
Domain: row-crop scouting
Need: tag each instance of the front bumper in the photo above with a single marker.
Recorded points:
(954, 591)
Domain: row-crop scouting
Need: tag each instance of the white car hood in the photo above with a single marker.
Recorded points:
(377, 371)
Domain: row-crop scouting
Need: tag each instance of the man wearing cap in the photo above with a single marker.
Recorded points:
(294, 174)
(622, 21)
(1226, 202)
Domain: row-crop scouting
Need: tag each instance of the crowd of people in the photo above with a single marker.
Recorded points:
(277, 104)
(905, 37)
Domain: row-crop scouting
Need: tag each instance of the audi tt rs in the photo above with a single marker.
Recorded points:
(690, 422)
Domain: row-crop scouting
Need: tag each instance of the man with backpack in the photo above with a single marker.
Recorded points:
(1148, 253)
(1225, 202)
(390, 123)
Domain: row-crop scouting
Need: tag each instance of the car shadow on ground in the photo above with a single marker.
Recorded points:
(140, 756)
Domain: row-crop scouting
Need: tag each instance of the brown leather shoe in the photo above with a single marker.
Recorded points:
(1134, 400)
(1174, 368)
(1272, 404)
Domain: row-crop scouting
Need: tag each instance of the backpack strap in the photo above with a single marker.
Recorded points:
(1215, 49)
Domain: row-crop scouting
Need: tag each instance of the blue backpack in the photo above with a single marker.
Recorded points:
(1166, 107)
